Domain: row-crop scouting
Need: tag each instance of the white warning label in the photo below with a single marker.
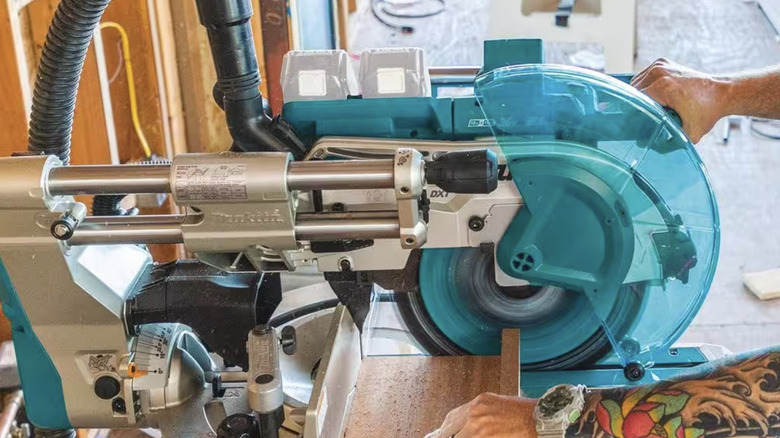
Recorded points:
(207, 182)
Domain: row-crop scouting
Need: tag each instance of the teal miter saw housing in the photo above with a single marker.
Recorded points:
(615, 246)
(551, 199)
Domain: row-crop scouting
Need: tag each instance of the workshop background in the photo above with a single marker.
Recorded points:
(151, 96)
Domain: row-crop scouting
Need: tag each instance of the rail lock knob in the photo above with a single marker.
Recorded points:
(474, 171)
(64, 227)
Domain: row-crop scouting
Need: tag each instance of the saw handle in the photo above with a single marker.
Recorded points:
(474, 171)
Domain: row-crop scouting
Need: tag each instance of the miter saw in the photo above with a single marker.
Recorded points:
(551, 199)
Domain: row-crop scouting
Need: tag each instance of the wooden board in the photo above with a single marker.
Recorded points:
(408, 397)
(764, 285)
(13, 112)
(510, 362)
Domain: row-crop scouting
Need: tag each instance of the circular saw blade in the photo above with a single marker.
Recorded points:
(460, 309)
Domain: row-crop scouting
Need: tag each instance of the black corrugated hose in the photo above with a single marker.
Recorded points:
(109, 205)
(51, 433)
(56, 85)
(62, 60)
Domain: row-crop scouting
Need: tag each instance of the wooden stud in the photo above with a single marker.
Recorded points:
(257, 34)
(170, 72)
(134, 17)
(205, 121)
(154, 30)
(14, 92)
(276, 43)
(341, 23)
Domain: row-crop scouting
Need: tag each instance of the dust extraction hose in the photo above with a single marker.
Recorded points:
(54, 98)
(230, 35)
(62, 60)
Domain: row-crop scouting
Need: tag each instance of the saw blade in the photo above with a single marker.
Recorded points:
(460, 309)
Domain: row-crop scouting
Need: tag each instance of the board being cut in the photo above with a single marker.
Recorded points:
(408, 397)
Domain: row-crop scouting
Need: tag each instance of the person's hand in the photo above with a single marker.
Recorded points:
(490, 415)
(698, 98)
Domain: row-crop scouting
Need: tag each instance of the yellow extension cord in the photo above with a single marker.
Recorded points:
(130, 84)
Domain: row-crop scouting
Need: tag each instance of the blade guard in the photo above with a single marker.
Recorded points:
(617, 200)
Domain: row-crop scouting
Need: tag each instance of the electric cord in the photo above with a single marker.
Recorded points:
(130, 85)
(292, 315)
(379, 8)
(755, 122)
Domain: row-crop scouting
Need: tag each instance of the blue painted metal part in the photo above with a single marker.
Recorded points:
(609, 373)
(44, 401)
(408, 118)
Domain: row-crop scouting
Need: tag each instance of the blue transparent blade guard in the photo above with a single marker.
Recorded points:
(618, 205)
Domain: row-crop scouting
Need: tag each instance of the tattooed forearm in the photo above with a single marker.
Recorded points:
(739, 397)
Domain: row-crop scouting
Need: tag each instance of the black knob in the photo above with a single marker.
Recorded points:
(476, 223)
(118, 406)
(217, 391)
(289, 340)
(64, 227)
(239, 426)
(107, 387)
(464, 172)
(262, 329)
(634, 372)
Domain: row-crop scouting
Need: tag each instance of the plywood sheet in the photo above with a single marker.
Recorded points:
(403, 397)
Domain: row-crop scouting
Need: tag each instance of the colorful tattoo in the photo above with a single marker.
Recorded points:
(738, 398)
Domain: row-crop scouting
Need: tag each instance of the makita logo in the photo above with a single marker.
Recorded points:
(480, 123)
(439, 194)
(504, 174)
